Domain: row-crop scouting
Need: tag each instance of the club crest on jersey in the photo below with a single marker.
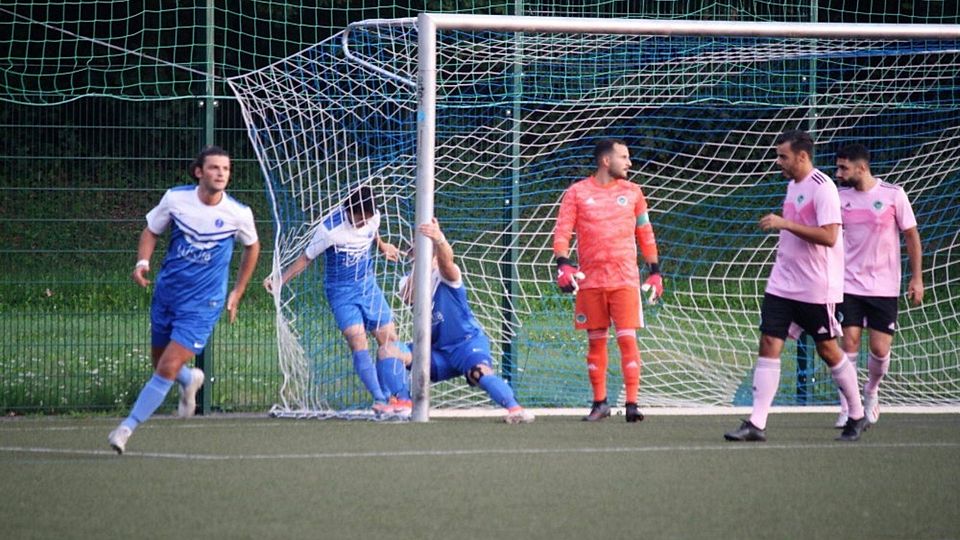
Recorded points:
(622, 200)
(877, 205)
(218, 223)
(800, 199)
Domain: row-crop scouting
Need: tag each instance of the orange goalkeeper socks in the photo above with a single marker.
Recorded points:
(630, 364)
(597, 363)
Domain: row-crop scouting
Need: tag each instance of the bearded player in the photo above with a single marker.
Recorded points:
(609, 216)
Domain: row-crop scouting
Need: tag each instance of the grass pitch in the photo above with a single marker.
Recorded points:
(667, 477)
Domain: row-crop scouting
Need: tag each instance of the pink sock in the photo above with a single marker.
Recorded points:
(845, 375)
(876, 368)
(844, 406)
(766, 381)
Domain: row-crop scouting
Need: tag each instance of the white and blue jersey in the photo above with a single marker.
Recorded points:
(195, 270)
(458, 342)
(348, 278)
(192, 283)
(345, 248)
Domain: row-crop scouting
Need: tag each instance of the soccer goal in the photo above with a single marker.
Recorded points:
(483, 121)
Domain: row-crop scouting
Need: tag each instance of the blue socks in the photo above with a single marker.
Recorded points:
(499, 391)
(363, 365)
(393, 377)
(185, 375)
(149, 400)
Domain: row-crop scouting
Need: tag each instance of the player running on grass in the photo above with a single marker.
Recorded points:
(609, 216)
(344, 238)
(192, 284)
(805, 286)
(458, 344)
(874, 215)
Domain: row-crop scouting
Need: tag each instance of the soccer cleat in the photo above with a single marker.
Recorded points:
(841, 420)
(519, 416)
(599, 411)
(871, 407)
(853, 430)
(746, 432)
(403, 408)
(382, 410)
(188, 394)
(633, 413)
(118, 438)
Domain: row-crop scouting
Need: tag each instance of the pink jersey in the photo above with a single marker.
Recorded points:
(872, 221)
(805, 271)
(604, 219)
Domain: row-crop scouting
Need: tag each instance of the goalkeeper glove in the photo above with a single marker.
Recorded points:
(567, 275)
(653, 286)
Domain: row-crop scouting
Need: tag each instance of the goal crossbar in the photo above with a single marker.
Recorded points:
(660, 27)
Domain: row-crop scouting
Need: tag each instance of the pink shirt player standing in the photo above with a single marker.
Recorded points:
(875, 214)
(805, 284)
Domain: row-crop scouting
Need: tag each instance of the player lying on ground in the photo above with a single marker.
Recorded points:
(459, 345)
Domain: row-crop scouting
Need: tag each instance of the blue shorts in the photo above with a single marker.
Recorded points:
(191, 327)
(363, 304)
(450, 363)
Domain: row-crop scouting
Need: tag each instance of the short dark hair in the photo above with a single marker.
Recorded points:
(854, 152)
(800, 141)
(604, 146)
(361, 201)
(202, 157)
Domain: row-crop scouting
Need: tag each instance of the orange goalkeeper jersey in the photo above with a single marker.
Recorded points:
(605, 219)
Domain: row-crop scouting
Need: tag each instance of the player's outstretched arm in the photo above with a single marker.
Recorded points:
(390, 251)
(442, 249)
(248, 262)
(290, 272)
(148, 242)
(915, 256)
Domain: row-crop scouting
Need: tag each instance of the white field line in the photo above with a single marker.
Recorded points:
(727, 447)
(252, 420)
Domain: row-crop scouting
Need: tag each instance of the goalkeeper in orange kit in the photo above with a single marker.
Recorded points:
(609, 216)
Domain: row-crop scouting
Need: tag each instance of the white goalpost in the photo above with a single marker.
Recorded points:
(483, 121)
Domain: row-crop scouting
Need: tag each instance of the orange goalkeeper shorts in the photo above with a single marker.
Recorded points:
(596, 308)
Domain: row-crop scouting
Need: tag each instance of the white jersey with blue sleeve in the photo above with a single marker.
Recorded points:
(452, 320)
(345, 248)
(196, 268)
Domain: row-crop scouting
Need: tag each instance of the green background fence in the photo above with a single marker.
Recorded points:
(97, 122)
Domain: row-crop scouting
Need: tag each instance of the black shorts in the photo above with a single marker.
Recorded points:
(874, 312)
(819, 321)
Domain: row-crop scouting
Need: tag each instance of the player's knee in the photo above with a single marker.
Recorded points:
(830, 352)
(770, 346)
(356, 337)
(477, 372)
(395, 349)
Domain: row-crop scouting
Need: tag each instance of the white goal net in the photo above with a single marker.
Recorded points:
(517, 114)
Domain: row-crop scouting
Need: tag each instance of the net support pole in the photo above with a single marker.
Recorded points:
(209, 101)
(204, 360)
(804, 368)
(423, 264)
(511, 214)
